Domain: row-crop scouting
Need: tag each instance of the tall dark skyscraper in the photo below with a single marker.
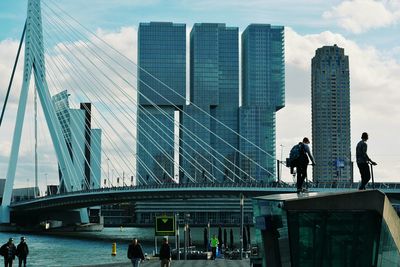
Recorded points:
(263, 94)
(214, 87)
(162, 64)
(330, 86)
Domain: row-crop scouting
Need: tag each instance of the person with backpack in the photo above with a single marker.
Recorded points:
(299, 159)
(363, 160)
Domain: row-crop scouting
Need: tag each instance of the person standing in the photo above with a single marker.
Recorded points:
(302, 163)
(165, 253)
(214, 245)
(8, 251)
(22, 252)
(363, 160)
(135, 253)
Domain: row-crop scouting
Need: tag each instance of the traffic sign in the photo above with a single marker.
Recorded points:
(165, 226)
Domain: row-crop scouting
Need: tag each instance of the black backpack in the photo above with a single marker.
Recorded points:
(295, 154)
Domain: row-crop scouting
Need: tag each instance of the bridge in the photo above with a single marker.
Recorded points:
(103, 196)
(165, 159)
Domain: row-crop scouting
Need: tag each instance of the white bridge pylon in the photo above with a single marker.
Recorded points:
(35, 63)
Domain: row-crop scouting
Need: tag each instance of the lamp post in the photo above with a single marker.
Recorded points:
(177, 236)
(47, 189)
(241, 224)
(209, 234)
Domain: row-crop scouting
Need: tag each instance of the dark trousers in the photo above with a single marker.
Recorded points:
(8, 262)
(365, 174)
(21, 260)
(301, 175)
(214, 253)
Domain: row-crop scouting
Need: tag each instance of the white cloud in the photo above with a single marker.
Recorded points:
(374, 84)
(361, 15)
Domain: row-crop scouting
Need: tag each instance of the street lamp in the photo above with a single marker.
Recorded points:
(241, 224)
(47, 189)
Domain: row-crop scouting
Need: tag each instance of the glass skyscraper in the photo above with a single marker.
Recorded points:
(161, 88)
(83, 142)
(263, 94)
(330, 88)
(214, 102)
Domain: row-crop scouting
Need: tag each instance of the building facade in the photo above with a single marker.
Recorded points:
(263, 94)
(210, 121)
(83, 142)
(161, 92)
(330, 89)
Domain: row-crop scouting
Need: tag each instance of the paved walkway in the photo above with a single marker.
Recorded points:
(188, 263)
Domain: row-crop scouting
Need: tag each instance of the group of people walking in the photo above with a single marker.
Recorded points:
(136, 255)
(9, 251)
(302, 157)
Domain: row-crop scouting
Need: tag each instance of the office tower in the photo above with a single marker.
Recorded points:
(263, 94)
(83, 142)
(214, 102)
(161, 89)
(330, 89)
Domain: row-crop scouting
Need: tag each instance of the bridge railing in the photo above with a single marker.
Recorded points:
(291, 186)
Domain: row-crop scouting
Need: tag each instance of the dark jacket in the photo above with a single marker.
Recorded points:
(22, 250)
(305, 155)
(135, 252)
(8, 251)
(361, 152)
(165, 251)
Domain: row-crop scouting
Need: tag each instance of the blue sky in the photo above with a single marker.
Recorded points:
(368, 31)
(304, 16)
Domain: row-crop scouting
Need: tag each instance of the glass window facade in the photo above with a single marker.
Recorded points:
(330, 99)
(325, 229)
(162, 84)
(162, 63)
(214, 87)
(263, 93)
(327, 238)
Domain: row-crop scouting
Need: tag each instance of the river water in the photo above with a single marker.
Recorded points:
(91, 248)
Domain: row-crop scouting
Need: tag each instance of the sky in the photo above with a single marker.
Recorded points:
(367, 30)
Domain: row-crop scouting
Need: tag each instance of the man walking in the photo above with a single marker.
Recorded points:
(363, 160)
(135, 253)
(22, 252)
(8, 251)
(302, 163)
(165, 253)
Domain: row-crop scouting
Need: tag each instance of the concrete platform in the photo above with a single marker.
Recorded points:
(188, 263)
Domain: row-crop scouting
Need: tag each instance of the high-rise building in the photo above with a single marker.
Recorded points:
(161, 88)
(263, 94)
(83, 142)
(212, 115)
(330, 89)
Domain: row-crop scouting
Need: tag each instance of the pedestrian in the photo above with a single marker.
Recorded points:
(214, 245)
(165, 253)
(22, 252)
(135, 253)
(363, 160)
(302, 163)
(8, 251)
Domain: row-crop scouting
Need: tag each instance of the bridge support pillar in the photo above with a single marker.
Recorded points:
(84, 215)
(5, 214)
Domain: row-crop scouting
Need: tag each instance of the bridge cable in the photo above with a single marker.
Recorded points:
(250, 159)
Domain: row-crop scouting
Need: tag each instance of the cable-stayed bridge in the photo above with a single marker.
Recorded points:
(70, 64)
